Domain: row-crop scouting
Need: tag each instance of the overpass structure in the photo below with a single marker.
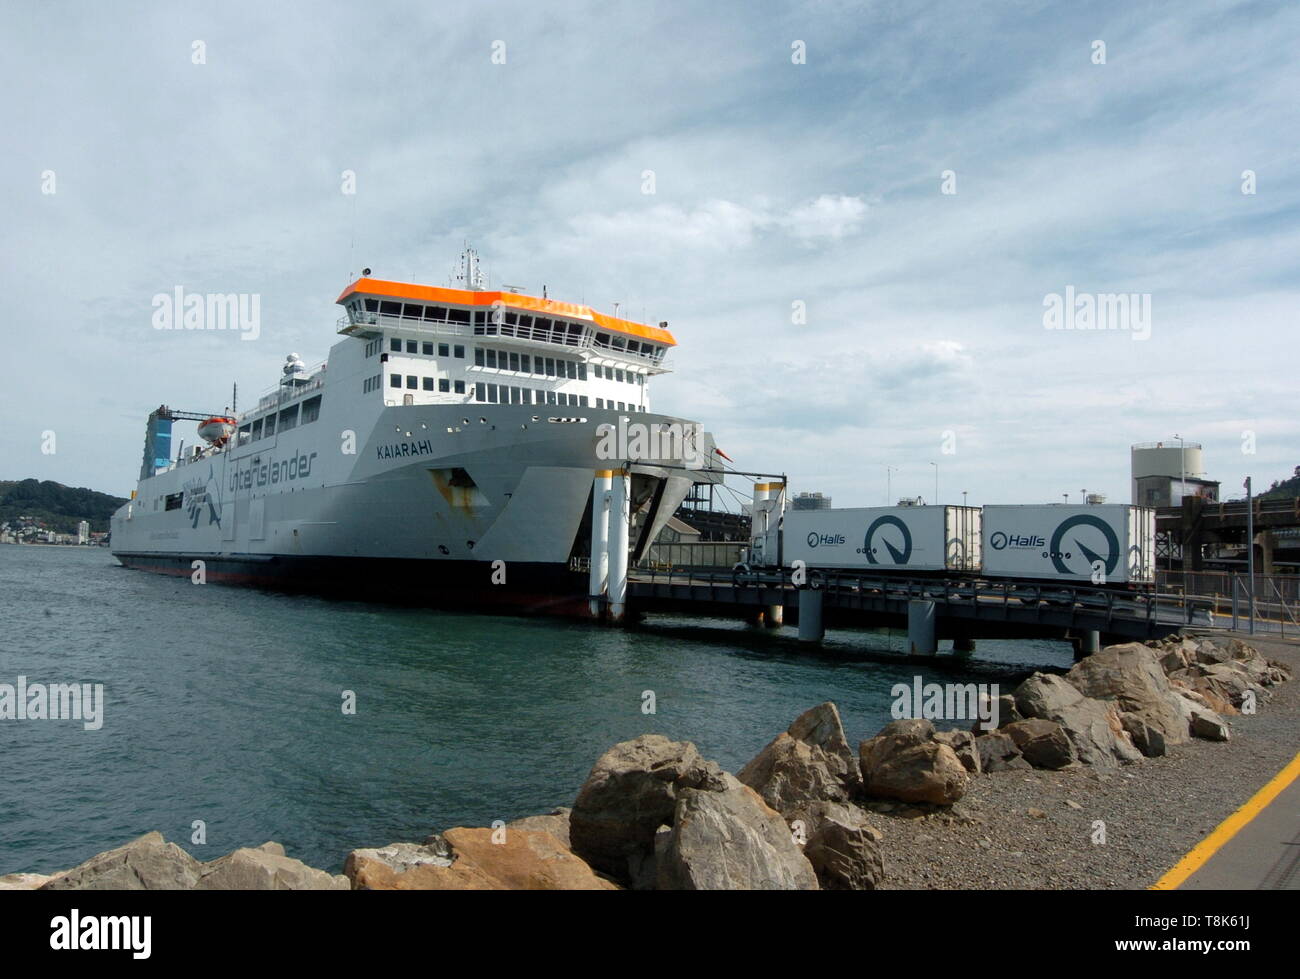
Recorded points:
(961, 609)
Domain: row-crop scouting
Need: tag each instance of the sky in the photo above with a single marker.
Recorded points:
(854, 217)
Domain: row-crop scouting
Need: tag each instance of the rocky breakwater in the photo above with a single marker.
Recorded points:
(654, 814)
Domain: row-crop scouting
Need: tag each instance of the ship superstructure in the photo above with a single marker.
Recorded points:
(451, 432)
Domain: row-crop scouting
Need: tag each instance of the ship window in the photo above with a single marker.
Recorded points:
(413, 311)
(426, 383)
(514, 361)
(288, 418)
(480, 318)
(173, 501)
(600, 402)
(582, 400)
(491, 358)
(426, 349)
(640, 379)
(442, 350)
(572, 368)
(311, 409)
(478, 356)
(257, 429)
(551, 398)
(602, 339)
(550, 367)
(395, 345)
(269, 428)
(412, 382)
(598, 370)
(412, 347)
(394, 380)
(525, 364)
(458, 351)
(392, 309)
(372, 305)
(492, 394)
(434, 313)
(582, 372)
(619, 342)
(633, 346)
(458, 315)
(459, 387)
(618, 375)
(480, 391)
(444, 385)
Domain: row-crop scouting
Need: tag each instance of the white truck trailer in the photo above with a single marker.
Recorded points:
(1106, 544)
(885, 539)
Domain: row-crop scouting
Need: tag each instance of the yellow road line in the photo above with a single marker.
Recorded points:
(1229, 828)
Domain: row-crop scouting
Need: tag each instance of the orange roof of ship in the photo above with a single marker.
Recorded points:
(512, 300)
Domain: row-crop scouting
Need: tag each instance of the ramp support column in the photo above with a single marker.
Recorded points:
(921, 628)
(600, 504)
(619, 514)
(810, 615)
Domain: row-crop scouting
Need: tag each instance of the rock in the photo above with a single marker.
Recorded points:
(1146, 738)
(1093, 726)
(998, 753)
(1130, 675)
(1035, 813)
(26, 882)
(1222, 680)
(730, 840)
(1208, 725)
(842, 848)
(1043, 694)
(788, 772)
(555, 822)
(266, 868)
(633, 790)
(468, 859)
(1042, 743)
(821, 727)
(928, 772)
(528, 860)
(962, 744)
(147, 863)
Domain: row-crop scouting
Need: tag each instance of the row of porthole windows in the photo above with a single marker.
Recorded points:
(397, 345)
(415, 383)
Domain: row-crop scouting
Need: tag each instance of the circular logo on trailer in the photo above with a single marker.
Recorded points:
(1109, 560)
(814, 539)
(900, 554)
(998, 541)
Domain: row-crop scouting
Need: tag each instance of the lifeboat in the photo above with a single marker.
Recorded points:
(217, 429)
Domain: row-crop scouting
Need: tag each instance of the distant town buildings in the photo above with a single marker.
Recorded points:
(29, 530)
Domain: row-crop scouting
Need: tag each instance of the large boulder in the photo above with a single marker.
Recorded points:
(147, 863)
(474, 860)
(842, 847)
(555, 822)
(902, 762)
(266, 868)
(730, 840)
(998, 753)
(1131, 676)
(1093, 726)
(962, 744)
(1224, 681)
(1042, 743)
(632, 790)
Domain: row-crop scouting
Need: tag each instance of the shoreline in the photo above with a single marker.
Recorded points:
(1020, 827)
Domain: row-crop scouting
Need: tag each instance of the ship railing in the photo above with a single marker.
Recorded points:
(306, 381)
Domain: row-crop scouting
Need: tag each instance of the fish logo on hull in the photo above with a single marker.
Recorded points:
(900, 555)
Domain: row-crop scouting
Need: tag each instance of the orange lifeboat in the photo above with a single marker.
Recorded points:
(217, 429)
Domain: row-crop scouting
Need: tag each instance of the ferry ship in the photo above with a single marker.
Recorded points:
(448, 452)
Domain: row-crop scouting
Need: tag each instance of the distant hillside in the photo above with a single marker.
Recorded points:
(57, 506)
(1287, 489)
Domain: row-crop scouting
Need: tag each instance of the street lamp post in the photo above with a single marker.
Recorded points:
(1250, 555)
